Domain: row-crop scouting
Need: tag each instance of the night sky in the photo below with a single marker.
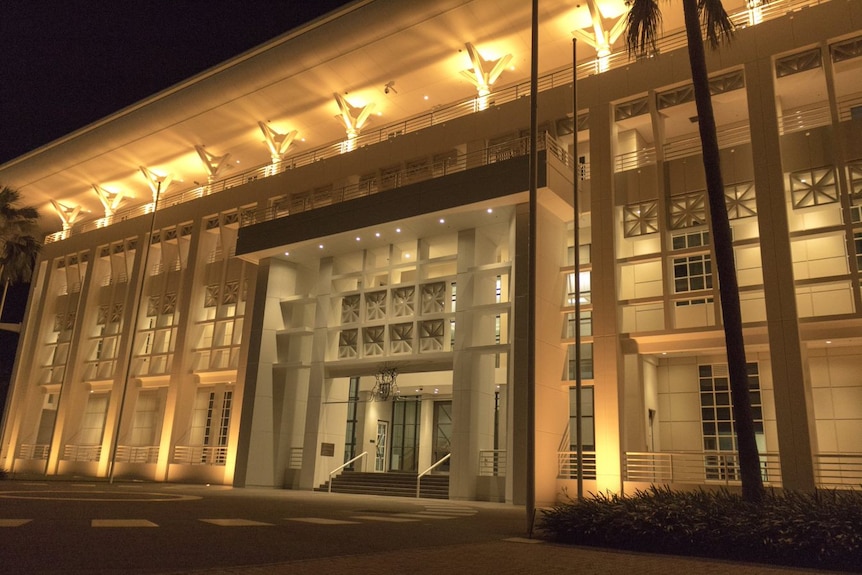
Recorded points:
(65, 64)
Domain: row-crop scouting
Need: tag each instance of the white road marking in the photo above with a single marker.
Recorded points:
(522, 540)
(322, 521)
(122, 523)
(235, 522)
(385, 518)
(13, 522)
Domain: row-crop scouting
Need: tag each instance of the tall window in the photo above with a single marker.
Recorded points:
(146, 419)
(93, 423)
(719, 431)
(584, 286)
(211, 424)
(405, 435)
(586, 362)
(588, 420)
(350, 428)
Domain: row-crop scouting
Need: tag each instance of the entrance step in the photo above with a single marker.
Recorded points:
(388, 484)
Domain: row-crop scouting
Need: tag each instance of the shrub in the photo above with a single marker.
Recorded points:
(820, 529)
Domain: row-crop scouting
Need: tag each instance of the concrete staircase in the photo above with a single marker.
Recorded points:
(388, 484)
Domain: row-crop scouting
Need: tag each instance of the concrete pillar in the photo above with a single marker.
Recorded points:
(792, 390)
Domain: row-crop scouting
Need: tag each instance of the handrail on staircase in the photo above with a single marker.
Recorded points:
(340, 467)
(429, 470)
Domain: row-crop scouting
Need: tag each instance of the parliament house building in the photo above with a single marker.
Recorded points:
(316, 261)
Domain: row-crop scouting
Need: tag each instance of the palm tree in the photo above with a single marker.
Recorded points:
(18, 244)
(641, 34)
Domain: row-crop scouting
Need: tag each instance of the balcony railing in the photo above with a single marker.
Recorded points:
(200, 455)
(804, 118)
(831, 470)
(492, 462)
(82, 452)
(729, 135)
(457, 162)
(137, 454)
(838, 470)
(710, 467)
(561, 77)
(850, 107)
(634, 159)
(33, 451)
(568, 464)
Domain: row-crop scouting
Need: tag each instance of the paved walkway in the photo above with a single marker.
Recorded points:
(508, 557)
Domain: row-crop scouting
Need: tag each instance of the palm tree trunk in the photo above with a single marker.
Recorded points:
(749, 461)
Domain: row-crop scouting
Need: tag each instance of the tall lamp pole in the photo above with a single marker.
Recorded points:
(531, 330)
(577, 263)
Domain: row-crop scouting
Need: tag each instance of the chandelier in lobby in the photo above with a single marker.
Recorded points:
(384, 383)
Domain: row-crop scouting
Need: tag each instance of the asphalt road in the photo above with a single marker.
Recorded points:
(53, 527)
(87, 527)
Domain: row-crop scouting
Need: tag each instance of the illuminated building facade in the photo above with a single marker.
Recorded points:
(247, 258)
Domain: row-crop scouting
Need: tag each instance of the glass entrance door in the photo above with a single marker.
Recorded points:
(382, 440)
(405, 435)
(442, 433)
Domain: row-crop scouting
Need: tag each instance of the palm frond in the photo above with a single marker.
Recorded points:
(715, 21)
(19, 247)
(18, 259)
(643, 20)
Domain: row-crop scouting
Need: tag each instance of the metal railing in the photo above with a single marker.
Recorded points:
(634, 159)
(838, 470)
(729, 135)
(419, 477)
(340, 467)
(492, 462)
(553, 79)
(696, 467)
(137, 454)
(311, 199)
(805, 118)
(200, 455)
(33, 451)
(850, 105)
(294, 459)
(82, 452)
(568, 464)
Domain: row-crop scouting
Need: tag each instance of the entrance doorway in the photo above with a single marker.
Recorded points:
(405, 435)
(442, 434)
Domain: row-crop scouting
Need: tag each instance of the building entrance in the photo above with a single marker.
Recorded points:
(405, 435)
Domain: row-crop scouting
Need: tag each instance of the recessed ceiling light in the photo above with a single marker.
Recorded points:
(376, 234)
(442, 221)
(490, 210)
(287, 253)
(397, 230)
(320, 246)
(828, 341)
(426, 97)
(407, 256)
(358, 238)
